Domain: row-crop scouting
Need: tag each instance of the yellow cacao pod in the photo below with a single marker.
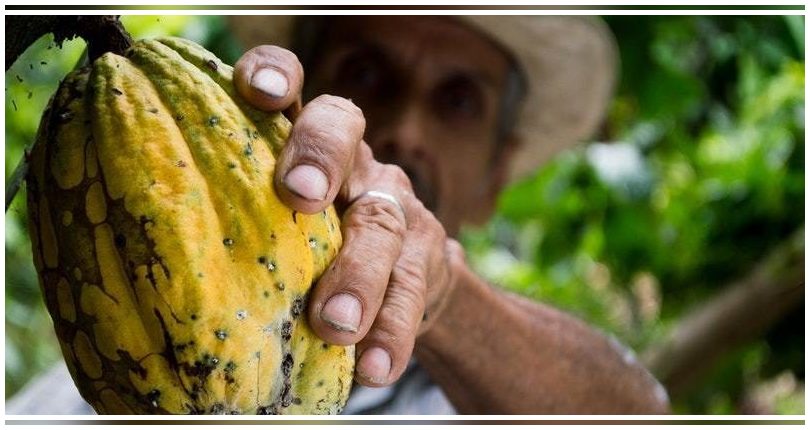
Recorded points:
(175, 278)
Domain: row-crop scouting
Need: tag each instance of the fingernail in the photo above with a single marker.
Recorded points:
(375, 365)
(342, 312)
(270, 82)
(307, 181)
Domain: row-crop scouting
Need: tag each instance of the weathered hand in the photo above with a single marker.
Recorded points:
(397, 265)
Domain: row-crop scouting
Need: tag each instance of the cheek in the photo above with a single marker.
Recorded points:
(465, 172)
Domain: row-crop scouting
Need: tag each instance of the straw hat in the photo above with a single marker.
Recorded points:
(569, 62)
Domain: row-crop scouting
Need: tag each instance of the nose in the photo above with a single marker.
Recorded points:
(400, 137)
(403, 139)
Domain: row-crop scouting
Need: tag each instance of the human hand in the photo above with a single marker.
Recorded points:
(390, 280)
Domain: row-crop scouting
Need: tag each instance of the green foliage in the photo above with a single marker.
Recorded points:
(702, 176)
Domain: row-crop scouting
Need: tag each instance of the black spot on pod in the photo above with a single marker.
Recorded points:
(227, 241)
(211, 65)
(262, 260)
(217, 409)
(325, 345)
(153, 397)
(179, 117)
(295, 216)
(297, 400)
(286, 397)
(116, 91)
(152, 110)
(213, 120)
(297, 307)
(280, 286)
(193, 317)
(266, 293)
(267, 410)
(229, 368)
(220, 334)
(287, 364)
(286, 330)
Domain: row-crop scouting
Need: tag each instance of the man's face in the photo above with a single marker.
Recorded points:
(430, 89)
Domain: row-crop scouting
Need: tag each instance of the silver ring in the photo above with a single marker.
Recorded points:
(385, 196)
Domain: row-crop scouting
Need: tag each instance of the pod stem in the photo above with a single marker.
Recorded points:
(103, 33)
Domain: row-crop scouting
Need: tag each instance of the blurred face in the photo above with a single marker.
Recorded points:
(430, 89)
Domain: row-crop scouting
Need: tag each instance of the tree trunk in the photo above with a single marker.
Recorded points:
(742, 312)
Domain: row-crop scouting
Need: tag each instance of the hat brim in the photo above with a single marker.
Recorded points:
(570, 63)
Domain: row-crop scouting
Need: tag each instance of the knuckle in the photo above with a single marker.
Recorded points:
(339, 103)
(409, 277)
(396, 175)
(403, 308)
(318, 140)
(273, 52)
(348, 112)
(377, 215)
(393, 326)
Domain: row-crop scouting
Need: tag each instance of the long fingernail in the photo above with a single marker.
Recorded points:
(343, 312)
(375, 365)
(270, 82)
(307, 181)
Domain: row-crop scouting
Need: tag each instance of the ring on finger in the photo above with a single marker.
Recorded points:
(384, 196)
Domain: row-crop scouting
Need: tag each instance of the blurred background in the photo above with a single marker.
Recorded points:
(679, 229)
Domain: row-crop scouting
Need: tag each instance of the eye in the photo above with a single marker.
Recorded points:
(360, 73)
(459, 99)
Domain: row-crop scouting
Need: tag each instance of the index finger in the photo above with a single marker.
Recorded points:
(269, 77)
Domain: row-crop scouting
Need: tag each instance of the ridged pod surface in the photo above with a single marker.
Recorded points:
(175, 278)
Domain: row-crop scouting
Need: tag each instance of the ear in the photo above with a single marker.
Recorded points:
(499, 175)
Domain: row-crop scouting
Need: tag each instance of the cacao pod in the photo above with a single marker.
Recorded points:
(175, 278)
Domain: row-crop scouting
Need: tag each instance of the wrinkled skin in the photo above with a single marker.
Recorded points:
(399, 281)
